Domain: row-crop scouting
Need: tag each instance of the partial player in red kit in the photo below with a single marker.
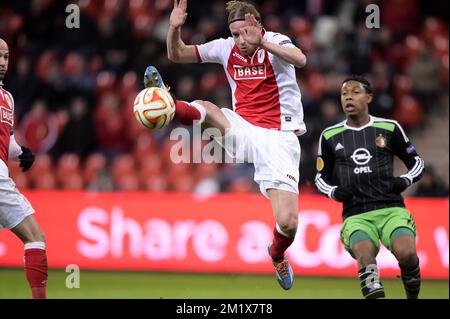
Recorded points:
(267, 113)
(16, 212)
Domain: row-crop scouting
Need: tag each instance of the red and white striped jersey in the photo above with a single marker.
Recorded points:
(264, 87)
(6, 122)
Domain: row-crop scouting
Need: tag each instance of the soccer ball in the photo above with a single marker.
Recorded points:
(154, 108)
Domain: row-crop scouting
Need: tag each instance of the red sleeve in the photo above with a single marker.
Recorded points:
(198, 54)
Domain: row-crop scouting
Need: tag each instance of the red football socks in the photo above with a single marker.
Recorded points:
(279, 244)
(35, 260)
(186, 113)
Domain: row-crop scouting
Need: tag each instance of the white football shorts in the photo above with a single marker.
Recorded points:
(275, 154)
(14, 207)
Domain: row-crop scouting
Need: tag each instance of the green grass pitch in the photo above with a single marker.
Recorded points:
(155, 285)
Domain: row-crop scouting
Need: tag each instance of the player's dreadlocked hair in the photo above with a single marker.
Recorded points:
(362, 80)
(237, 10)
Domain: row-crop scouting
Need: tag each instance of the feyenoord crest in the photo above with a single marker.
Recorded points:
(380, 141)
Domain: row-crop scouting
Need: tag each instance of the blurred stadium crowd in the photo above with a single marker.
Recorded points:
(74, 88)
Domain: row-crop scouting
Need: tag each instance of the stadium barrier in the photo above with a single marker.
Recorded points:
(224, 233)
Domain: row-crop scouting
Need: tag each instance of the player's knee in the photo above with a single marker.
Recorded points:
(364, 253)
(407, 257)
(208, 106)
(289, 225)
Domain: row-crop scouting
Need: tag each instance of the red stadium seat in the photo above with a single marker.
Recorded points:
(145, 144)
(73, 64)
(241, 185)
(45, 181)
(155, 183)
(299, 25)
(105, 82)
(95, 163)
(433, 26)
(127, 182)
(208, 82)
(272, 22)
(409, 112)
(42, 164)
(413, 46)
(111, 8)
(440, 44)
(95, 64)
(177, 172)
(150, 165)
(184, 183)
(15, 23)
(137, 7)
(43, 64)
(67, 164)
(402, 86)
(89, 8)
(142, 22)
(129, 85)
(122, 165)
(316, 85)
(72, 181)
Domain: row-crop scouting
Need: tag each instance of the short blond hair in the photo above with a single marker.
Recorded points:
(237, 9)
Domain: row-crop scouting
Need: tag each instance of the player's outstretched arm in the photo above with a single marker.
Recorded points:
(252, 34)
(177, 50)
(294, 56)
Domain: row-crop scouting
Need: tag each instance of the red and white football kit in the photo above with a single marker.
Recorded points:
(14, 207)
(267, 111)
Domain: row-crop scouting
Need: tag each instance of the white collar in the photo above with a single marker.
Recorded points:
(359, 128)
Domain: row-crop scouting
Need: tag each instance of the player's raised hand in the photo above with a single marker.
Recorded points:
(178, 15)
(251, 32)
(26, 159)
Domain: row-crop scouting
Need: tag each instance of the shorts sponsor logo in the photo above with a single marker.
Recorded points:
(291, 177)
(6, 116)
(249, 72)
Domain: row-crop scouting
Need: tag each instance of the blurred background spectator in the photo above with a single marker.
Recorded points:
(74, 88)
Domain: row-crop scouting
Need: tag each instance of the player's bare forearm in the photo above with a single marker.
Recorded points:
(294, 56)
(174, 43)
(177, 50)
